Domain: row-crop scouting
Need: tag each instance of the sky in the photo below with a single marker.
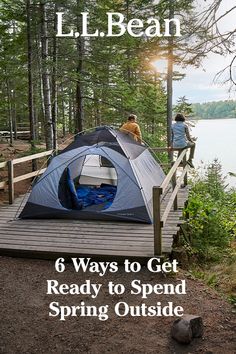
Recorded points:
(199, 85)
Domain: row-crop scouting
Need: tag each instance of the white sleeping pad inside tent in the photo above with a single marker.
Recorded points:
(95, 174)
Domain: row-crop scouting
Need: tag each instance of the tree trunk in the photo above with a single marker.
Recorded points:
(128, 49)
(39, 90)
(170, 79)
(9, 112)
(97, 113)
(63, 112)
(79, 117)
(54, 82)
(70, 113)
(30, 78)
(13, 93)
(45, 79)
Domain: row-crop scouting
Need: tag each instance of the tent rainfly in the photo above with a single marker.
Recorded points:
(104, 163)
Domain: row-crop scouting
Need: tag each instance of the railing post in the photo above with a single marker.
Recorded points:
(157, 224)
(186, 175)
(175, 204)
(10, 181)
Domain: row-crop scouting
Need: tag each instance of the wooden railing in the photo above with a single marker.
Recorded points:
(160, 219)
(11, 172)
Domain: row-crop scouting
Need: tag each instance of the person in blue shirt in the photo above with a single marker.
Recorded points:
(181, 137)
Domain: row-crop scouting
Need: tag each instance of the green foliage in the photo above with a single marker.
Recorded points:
(219, 109)
(232, 299)
(211, 212)
(210, 279)
(220, 275)
(183, 106)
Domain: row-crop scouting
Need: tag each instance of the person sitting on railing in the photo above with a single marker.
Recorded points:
(181, 138)
(132, 127)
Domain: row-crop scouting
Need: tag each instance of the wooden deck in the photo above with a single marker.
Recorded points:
(52, 238)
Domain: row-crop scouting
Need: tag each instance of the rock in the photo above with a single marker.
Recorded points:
(181, 331)
(186, 328)
(196, 325)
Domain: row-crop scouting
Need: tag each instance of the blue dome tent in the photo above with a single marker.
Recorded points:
(102, 175)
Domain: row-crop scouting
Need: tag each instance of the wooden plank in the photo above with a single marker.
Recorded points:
(168, 178)
(17, 201)
(4, 231)
(121, 245)
(7, 217)
(72, 251)
(170, 228)
(5, 208)
(29, 175)
(175, 222)
(176, 212)
(174, 181)
(81, 244)
(3, 185)
(74, 232)
(95, 223)
(3, 164)
(186, 175)
(32, 157)
(172, 198)
(77, 225)
(78, 232)
(82, 233)
(84, 239)
(8, 211)
(96, 239)
(41, 224)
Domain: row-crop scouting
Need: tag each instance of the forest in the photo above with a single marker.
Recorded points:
(56, 86)
(219, 109)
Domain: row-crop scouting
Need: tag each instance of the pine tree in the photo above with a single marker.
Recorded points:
(183, 106)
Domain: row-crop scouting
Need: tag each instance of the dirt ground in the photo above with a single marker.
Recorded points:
(26, 327)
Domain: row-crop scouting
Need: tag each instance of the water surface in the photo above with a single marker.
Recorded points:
(216, 139)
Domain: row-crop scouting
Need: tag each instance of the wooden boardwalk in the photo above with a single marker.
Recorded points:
(52, 238)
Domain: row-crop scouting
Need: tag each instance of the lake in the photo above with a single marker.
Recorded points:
(216, 139)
